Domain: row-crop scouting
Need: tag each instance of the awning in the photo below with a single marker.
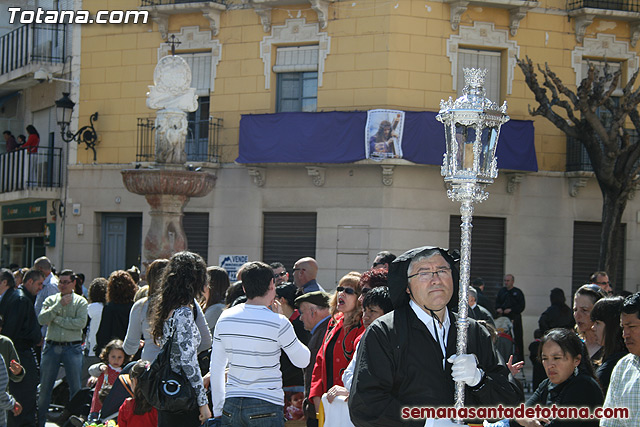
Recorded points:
(339, 137)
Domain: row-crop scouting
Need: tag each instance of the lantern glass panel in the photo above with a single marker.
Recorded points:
(488, 139)
(465, 137)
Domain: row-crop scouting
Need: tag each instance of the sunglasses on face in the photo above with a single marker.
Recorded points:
(348, 291)
(284, 273)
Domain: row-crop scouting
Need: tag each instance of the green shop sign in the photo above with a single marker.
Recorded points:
(25, 211)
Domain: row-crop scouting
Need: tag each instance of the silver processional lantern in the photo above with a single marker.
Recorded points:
(472, 126)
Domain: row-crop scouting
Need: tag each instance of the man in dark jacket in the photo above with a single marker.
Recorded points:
(510, 302)
(22, 327)
(314, 313)
(407, 357)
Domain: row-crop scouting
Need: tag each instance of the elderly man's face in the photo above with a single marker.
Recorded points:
(432, 291)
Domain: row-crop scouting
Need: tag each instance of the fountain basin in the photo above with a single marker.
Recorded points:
(162, 181)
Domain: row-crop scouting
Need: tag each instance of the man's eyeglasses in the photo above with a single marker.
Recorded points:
(66, 282)
(348, 291)
(427, 275)
(284, 273)
(297, 269)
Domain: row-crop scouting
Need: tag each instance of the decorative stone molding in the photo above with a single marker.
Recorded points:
(634, 30)
(263, 9)
(603, 46)
(584, 16)
(294, 31)
(191, 38)
(317, 175)
(577, 180)
(264, 13)
(387, 174)
(210, 10)
(259, 176)
(322, 9)
(582, 22)
(513, 180)
(457, 9)
(517, 10)
(483, 34)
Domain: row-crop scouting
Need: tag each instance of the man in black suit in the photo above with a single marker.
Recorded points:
(314, 313)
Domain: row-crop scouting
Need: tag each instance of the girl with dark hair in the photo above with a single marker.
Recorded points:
(115, 315)
(33, 140)
(113, 359)
(214, 294)
(137, 411)
(606, 325)
(571, 381)
(558, 315)
(173, 315)
(583, 300)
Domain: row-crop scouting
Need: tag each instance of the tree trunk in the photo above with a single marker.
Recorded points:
(613, 206)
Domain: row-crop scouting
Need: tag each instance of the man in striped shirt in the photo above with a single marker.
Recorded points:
(249, 338)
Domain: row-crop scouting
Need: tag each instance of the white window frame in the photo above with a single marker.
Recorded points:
(294, 31)
(192, 39)
(483, 35)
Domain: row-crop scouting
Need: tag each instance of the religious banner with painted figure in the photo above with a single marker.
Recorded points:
(383, 135)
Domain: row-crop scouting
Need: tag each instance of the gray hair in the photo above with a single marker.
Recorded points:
(423, 257)
(471, 292)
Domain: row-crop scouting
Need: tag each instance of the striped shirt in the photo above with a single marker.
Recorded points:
(249, 338)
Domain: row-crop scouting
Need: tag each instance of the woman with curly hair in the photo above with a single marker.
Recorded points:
(339, 341)
(174, 315)
(115, 314)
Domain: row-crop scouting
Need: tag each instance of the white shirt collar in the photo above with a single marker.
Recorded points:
(430, 322)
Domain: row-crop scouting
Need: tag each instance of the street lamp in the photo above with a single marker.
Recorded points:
(86, 135)
(472, 126)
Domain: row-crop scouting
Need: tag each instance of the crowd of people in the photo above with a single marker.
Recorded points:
(265, 351)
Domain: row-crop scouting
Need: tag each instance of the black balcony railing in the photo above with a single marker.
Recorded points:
(577, 157)
(21, 170)
(163, 2)
(202, 143)
(32, 43)
(624, 5)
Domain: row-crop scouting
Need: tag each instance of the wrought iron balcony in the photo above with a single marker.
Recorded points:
(624, 5)
(31, 44)
(21, 170)
(202, 143)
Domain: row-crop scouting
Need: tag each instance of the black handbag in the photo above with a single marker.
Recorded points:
(163, 388)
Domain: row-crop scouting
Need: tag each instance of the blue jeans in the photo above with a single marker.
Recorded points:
(249, 412)
(52, 356)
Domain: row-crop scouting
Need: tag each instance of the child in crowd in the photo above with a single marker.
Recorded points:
(113, 358)
(136, 411)
(7, 402)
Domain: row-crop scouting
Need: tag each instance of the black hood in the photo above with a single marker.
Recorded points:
(398, 275)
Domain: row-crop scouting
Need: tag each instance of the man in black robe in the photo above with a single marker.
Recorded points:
(407, 358)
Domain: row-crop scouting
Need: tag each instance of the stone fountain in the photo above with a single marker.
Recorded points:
(166, 184)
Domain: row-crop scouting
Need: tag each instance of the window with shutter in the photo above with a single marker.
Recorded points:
(487, 250)
(586, 254)
(288, 236)
(487, 59)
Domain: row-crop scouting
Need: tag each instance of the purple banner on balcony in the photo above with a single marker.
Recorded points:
(338, 137)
